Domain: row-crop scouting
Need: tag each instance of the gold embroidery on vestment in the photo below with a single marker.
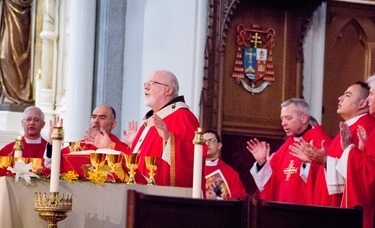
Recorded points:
(290, 170)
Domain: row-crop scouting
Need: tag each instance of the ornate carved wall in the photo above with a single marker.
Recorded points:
(226, 105)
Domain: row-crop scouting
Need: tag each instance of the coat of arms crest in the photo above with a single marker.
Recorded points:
(254, 58)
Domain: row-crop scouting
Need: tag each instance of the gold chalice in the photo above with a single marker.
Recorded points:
(115, 163)
(151, 166)
(132, 161)
(37, 164)
(5, 161)
(97, 160)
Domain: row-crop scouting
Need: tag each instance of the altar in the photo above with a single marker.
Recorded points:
(93, 205)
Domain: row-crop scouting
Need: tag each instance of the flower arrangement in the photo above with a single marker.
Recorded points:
(26, 171)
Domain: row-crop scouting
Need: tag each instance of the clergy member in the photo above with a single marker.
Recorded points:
(167, 133)
(222, 181)
(103, 121)
(99, 135)
(353, 109)
(33, 143)
(282, 177)
(357, 165)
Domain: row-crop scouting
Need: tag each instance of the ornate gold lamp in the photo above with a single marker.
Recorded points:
(53, 208)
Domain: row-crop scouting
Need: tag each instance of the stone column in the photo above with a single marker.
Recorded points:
(80, 63)
(44, 91)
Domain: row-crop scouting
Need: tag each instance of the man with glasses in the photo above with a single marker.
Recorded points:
(33, 143)
(222, 181)
(167, 133)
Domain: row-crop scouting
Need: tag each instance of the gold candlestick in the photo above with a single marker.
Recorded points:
(54, 208)
(18, 145)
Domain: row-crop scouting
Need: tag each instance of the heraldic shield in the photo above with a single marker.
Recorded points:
(254, 58)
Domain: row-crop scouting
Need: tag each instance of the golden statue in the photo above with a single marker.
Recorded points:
(15, 52)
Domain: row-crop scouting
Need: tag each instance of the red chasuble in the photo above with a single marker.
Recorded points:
(176, 168)
(220, 175)
(360, 182)
(119, 146)
(321, 196)
(30, 150)
(285, 183)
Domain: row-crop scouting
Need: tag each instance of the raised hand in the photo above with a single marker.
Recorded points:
(160, 126)
(90, 134)
(130, 134)
(55, 122)
(362, 137)
(260, 150)
(102, 139)
(300, 150)
(346, 135)
(315, 154)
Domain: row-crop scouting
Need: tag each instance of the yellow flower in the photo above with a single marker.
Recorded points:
(97, 177)
(70, 176)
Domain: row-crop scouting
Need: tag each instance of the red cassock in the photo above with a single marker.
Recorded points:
(285, 183)
(74, 162)
(321, 196)
(174, 168)
(360, 182)
(30, 150)
(229, 176)
(119, 146)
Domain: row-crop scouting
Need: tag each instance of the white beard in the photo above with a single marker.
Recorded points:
(149, 101)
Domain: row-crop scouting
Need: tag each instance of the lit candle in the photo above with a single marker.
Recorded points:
(198, 157)
(57, 137)
(18, 146)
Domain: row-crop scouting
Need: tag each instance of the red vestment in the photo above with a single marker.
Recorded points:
(230, 176)
(175, 168)
(119, 146)
(68, 165)
(360, 181)
(321, 196)
(30, 150)
(285, 183)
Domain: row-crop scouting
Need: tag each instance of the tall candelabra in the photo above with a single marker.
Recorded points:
(54, 208)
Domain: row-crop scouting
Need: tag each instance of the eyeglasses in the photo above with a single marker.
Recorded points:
(209, 141)
(150, 83)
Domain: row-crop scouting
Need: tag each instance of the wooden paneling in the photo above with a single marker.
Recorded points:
(349, 51)
(226, 106)
(258, 114)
